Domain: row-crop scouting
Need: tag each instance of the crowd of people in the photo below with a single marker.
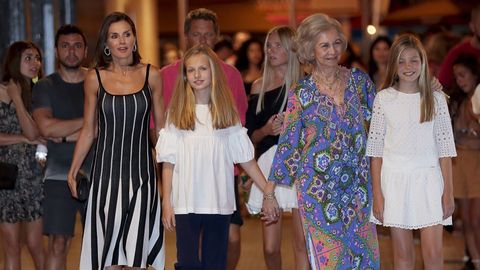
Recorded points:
(344, 147)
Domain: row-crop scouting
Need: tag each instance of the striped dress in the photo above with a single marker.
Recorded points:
(123, 222)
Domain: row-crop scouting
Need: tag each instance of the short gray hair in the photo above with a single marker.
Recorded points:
(307, 34)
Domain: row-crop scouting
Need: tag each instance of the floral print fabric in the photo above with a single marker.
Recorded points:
(322, 150)
(24, 202)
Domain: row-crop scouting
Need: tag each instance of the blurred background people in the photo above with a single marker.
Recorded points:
(466, 169)
(223, 48)
(437, 46)
(378, 59)
(351, 57)
(19, 136)
(470, 46)
(170, 53)
(249, 62)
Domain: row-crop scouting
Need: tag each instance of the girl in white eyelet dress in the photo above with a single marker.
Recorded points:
(411, 145)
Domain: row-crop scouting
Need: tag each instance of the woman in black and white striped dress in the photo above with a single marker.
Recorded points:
(123, 225)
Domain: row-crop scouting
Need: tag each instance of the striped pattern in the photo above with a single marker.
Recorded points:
(123, 225)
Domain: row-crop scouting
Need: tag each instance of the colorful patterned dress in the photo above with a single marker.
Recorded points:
(323, 152)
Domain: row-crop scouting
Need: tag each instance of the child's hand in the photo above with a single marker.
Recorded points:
(168, 216)
(378, 204)
(448, 205)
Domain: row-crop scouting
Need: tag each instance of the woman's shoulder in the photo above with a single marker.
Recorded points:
(91, 79)
(92, 75)
(256, 86)
(154, 73)
(359, 74)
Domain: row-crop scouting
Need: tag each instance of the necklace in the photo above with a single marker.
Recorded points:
(124, 71)
(333, 93)
(326, 83)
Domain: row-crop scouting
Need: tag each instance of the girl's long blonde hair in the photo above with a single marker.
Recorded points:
(293, 74)
(181, 111)
(427, 101)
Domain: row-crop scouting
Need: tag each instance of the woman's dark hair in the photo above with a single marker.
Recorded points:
(470, 62)
(372, 65)
(101, 59)
(242, 55)
(11, 69)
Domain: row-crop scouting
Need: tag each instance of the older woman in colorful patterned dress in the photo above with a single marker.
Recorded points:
(322, 150)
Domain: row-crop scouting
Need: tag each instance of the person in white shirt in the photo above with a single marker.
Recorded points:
(199, 146)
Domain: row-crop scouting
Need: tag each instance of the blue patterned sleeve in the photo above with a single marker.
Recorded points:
(287, 157)
(367, 93)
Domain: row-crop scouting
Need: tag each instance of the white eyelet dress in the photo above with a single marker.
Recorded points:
(411, 178)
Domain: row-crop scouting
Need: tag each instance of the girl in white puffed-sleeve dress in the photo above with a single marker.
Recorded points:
(411, 145)
(199, 146)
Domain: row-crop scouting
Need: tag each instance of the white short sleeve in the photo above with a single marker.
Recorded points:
(167, 145)
(376, 135)
(443, 128)
(240, 146)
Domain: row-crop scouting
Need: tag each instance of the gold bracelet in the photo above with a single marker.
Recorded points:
(270, 196)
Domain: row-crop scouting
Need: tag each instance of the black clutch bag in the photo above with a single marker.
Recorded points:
(83, 186)
(8, 175)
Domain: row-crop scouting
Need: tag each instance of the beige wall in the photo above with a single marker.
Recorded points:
(143, 12)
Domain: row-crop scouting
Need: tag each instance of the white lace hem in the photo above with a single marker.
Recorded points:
(445, 222)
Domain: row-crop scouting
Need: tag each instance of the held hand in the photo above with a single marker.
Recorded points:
(72, 183)
(436, 85)
(270, 210)
(278, 123)
(271, 128)
(378, 207)
(448, 205)
(168, 217)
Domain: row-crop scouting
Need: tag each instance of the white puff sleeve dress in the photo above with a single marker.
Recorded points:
(204, 158)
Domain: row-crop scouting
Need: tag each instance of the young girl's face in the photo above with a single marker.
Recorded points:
(464, 77)
(409, 65)
(199, 73)
(276, 53)
(30, 63)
